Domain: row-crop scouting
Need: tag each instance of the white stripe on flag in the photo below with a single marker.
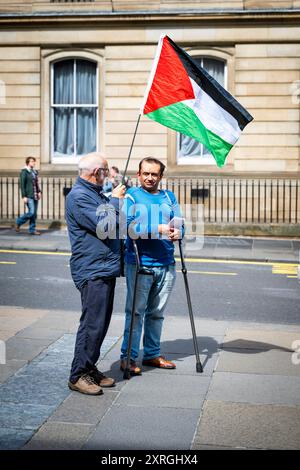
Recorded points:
(213, 117)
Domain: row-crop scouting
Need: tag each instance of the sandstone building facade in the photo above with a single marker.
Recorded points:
(103, 50)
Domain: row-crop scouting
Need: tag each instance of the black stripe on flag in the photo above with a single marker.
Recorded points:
(213, 88)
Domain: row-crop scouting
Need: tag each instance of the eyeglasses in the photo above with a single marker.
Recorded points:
(104, 169)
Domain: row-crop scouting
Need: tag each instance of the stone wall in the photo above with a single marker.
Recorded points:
(263, 73)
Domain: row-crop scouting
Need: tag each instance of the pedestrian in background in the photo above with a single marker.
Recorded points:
(95, 264)
(112, 181)
(31, 194)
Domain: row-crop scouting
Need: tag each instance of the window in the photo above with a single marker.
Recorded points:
(74, 109)
(189, 151)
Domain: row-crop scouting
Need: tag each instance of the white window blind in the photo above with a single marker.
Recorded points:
(74, 109)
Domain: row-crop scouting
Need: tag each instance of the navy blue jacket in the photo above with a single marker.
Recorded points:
(90, 215)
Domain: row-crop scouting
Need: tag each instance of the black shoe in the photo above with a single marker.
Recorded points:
(101, 379)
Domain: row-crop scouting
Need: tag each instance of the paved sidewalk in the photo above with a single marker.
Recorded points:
(248, 396)
(245, 248)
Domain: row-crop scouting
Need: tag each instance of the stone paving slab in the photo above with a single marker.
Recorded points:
(116, 327)
(84, 409)
(68, 323)
(39, 389)
(59, 436)
(9, 310)
(36, 332)
(13, 439)
(186, 365)
(186, 360)
(24, 416)
(14, 323)
(113, 355)
(49, 371)
(186, 346)
(5, 335)
(180, 326)
(14, 319)
(135, 427)
(112, 369)
(172, 391)
(257, 389)
(249, 426)
(23, 348)
(30, 396)
(59, 353)
(10, 368)
(256, 361)
(256, 339)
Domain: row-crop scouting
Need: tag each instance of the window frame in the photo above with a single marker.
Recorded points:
(226, 55)
(74, 158)
(208, 159)
(49, 57)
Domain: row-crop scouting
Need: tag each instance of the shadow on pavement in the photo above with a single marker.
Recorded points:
(251, 347)
(208, 346)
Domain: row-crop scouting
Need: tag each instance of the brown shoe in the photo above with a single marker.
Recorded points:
(17, 228)
(101, 379)
(134, 368)
(160, 362)
(87, 385)
(35, 233)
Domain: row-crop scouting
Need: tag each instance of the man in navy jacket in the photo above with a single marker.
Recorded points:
(92, 222)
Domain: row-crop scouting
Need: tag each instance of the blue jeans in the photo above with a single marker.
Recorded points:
(152, 297)
(32, 206)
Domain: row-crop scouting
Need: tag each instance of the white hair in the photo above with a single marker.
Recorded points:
(89, 162)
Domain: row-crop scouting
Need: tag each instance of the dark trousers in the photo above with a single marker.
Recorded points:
(97, 297)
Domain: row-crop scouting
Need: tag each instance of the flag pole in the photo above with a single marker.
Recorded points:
(130, 150)
(122, 248)
(127, 373)
(199, 367)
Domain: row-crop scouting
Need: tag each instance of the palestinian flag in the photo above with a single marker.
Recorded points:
(183, 96)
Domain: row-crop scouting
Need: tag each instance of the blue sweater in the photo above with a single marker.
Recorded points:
(88, 213)
(144, 212)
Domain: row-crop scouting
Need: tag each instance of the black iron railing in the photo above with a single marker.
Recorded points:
(220, 200)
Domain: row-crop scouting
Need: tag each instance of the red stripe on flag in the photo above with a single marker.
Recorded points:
(171, 82)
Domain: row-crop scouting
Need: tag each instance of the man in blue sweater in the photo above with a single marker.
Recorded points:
(149, 212)
(95, 264)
